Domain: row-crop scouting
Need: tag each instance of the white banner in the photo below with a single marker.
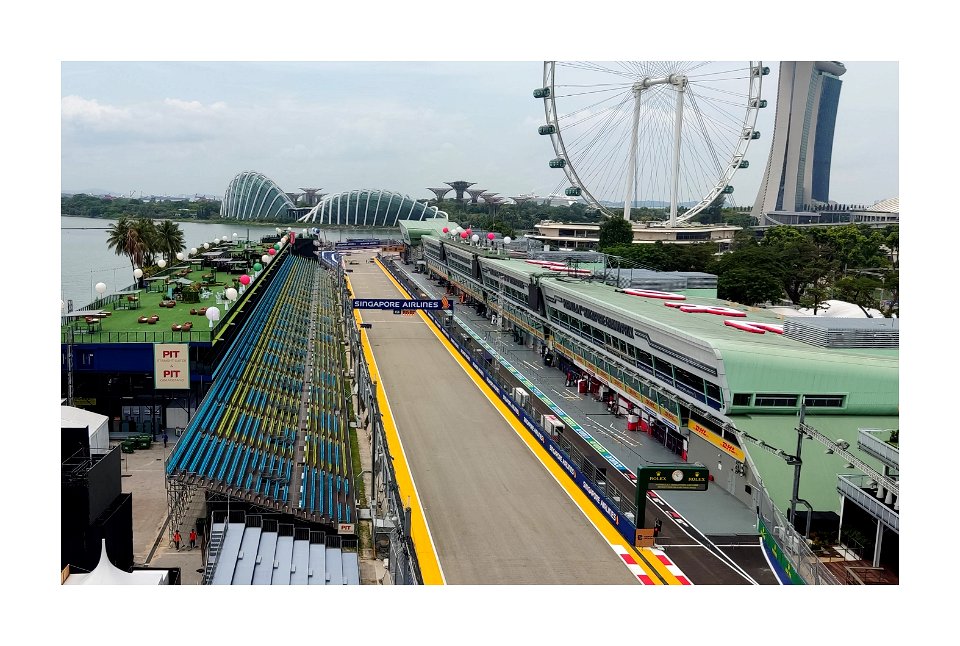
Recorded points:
(171, 366)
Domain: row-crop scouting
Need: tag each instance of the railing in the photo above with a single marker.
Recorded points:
(131, 336)
(863, 490)
(385, 500)
(869, 442)
(799, 556)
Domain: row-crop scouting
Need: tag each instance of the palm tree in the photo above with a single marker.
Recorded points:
(170, 239)
(126, 238)
(146, 244)
(117, 238)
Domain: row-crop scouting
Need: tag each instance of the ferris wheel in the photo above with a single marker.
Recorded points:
(667, 135)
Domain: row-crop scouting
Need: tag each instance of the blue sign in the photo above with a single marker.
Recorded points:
(399, 304)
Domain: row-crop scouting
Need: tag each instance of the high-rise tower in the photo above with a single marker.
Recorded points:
(798, 170)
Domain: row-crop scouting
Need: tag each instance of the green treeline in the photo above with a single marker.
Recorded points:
(90, 206)
(806, 267)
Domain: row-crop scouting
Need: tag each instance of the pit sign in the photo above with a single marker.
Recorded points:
(171, 366)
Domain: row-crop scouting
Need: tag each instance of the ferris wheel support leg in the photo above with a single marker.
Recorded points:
(676, 153)
(631, 165)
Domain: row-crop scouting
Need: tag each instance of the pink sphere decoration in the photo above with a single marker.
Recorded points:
(491, 236)
(446, 229)
(244, 280)
(469, 230)
(463, 234)
(271, 251)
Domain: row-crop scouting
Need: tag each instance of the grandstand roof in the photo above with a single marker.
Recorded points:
(260, 556)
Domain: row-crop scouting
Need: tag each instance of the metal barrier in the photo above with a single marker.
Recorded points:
(390, 518)
(787, 546)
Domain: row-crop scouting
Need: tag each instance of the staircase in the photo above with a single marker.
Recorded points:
(213, 553)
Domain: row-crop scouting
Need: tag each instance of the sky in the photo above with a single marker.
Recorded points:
(186, 128)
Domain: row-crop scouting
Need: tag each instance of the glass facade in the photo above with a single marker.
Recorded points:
(254, 196)
(823, 142)
(371, 208)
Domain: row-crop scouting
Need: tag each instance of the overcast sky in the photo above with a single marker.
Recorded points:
(178, 128)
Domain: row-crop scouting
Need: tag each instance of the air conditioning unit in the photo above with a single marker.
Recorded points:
(521, 396)
(552, 425)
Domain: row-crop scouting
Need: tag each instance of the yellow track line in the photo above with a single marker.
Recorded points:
(643, 558)
(429, 562)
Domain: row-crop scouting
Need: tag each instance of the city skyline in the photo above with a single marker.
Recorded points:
(166, 129)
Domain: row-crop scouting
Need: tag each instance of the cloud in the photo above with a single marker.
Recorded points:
(91, 113)
(170, 120)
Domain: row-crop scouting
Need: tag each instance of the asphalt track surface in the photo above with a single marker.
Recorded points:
(496, 515)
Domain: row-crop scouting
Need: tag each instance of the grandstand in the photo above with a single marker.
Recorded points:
(272, 429)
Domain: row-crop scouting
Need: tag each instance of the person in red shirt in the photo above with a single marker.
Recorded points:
(193, 538)
(176, 540)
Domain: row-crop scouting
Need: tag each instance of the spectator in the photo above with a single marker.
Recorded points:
(165, 438)
(176, 540)
(193, 538)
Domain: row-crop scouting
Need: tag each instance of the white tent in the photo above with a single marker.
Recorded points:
(106, 573)
(71, 417)
(841, 309)
(833, 309)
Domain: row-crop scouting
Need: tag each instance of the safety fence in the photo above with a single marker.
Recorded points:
(389, 516)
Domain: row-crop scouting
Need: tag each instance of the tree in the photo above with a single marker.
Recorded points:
(805, 263)
(750, 275)
(147, 235)
(131, 239)
(170, 239)
(862, 291)
(815, 297)
(890, 303)
(615, 231)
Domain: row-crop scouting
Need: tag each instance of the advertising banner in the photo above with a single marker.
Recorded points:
(171, 366)
(399, 304)
(710, 436)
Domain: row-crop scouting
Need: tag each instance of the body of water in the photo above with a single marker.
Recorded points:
(85, 259)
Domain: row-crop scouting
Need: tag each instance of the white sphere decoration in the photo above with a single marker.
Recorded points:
(101, 288)
(265, 258)
(475, 238)
(231, 294)
(193, 251)
(216, 241)
(234, 235)
(179, 255)
(213, 314)
(506, 240)
(161, 263)
(138, 273)
(206, 245)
